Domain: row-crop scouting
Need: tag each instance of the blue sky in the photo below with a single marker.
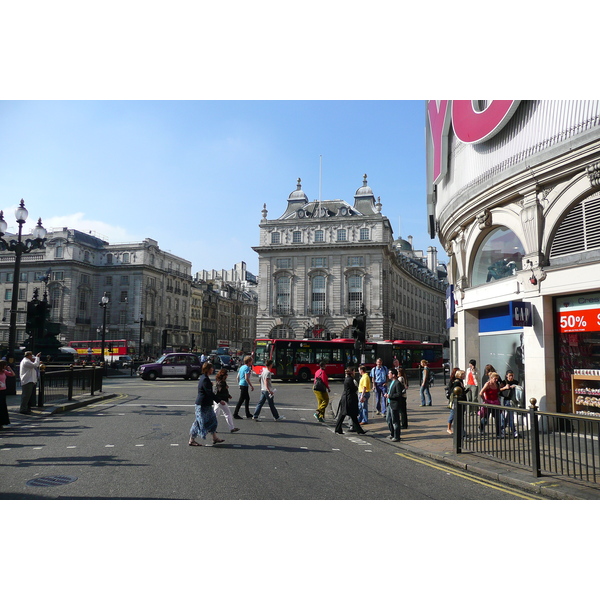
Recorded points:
(194, 175)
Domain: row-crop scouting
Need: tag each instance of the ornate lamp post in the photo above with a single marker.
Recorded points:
(103, 304)
(19, 246)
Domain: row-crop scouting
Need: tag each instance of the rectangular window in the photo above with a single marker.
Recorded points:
(297, 237)
(355, 261)
(123, 317)
(319, 235)
(319, 261)
(364, 234)
(284, 263)
(124, 279)
(23, 277)
(123, 295)
(9, 277)
(283, 295)
(6, 314)
(85, 278)
(8, 294)
(58, 252)
(22, 294)
(275, 237)
(108, 280)
(341, 235)
(60, 275)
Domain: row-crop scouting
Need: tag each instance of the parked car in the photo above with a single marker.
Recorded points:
(176, 364)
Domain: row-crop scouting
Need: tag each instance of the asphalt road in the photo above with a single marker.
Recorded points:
(135, 447)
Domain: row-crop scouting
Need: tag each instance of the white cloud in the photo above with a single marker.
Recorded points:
(113, 233)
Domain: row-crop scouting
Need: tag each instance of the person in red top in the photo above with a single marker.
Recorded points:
(490, 395)
(321, 390)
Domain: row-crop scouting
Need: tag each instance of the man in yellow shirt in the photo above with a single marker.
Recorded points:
(364, 391)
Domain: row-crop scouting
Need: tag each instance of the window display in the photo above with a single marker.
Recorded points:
(578, 353)
(499, 256)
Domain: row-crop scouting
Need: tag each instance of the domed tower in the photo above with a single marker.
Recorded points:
(297, 199)
(364, 200)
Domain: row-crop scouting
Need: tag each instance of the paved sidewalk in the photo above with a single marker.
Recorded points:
(427, 436)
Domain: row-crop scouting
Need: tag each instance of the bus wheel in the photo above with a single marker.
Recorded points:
(304, 376)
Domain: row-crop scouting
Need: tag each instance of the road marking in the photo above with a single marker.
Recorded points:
(473, 478)
(174, 444)
(109, 446)
(71, 446)
(336, 449)
(139, 445)
(38, 448)
(270, 446)
(303, 447)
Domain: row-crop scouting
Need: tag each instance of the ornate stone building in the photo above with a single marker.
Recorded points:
(323, 262)
(140, 279)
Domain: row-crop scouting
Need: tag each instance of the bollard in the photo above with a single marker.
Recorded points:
(535, 438)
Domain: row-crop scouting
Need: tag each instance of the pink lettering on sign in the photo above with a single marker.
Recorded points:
(471, 125)
(439, 124)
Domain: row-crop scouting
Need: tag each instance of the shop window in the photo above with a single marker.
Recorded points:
(499, 256)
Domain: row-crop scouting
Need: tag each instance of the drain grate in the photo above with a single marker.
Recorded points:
(51, 481)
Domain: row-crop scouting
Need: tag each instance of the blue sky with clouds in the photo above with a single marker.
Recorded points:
(194, 175)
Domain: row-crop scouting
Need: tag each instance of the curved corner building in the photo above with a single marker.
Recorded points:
(514, 198)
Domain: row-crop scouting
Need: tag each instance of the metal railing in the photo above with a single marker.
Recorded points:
(551, 443)
(56, 385)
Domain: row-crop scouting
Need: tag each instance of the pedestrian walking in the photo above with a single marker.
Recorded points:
(267, 393)
(395, 393)
(5, 371)
(28, 373)
(364, 393)
(348, 406)
(379, 378)
(223, 398)
(206, 420)
(245, 387)
(425, 383)
(321, 390)
(472, 382)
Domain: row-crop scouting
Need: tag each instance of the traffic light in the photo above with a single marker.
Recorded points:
(359, 328)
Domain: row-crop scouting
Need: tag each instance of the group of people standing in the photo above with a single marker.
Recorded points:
(210, 402)
(494, 391)
(389, 386)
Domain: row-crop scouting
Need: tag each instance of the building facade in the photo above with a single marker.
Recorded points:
(235, 302)
(148, 290)
(321, 263)
(514, 198)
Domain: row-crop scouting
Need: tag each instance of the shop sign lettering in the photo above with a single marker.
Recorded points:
(471, 125)
(578, 314)
(521, 314)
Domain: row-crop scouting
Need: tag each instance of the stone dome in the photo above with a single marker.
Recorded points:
(365, 190)
(298, 194)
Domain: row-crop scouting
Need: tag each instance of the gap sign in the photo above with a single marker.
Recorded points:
(522, 314)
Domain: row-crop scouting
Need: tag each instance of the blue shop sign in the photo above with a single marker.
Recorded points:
(502, 318)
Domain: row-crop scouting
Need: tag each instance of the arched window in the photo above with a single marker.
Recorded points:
(318, 295)
(355, 293)
(283, 295)
(281, 332)
(500, 255)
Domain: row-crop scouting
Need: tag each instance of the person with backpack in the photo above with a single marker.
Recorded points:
(454, 392)
(396, 392)
(379, 378)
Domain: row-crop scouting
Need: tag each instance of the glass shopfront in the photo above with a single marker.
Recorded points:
(500, 342)
(578, 348)
(499, 256)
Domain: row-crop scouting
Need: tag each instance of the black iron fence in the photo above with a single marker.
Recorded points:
(59, 384)
(551, 443)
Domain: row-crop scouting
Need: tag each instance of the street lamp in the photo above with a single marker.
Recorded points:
(19, 246)
(103, 304)
(141, 335)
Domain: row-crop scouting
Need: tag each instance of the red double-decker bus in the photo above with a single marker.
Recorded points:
(299, 359)
(92, 348)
